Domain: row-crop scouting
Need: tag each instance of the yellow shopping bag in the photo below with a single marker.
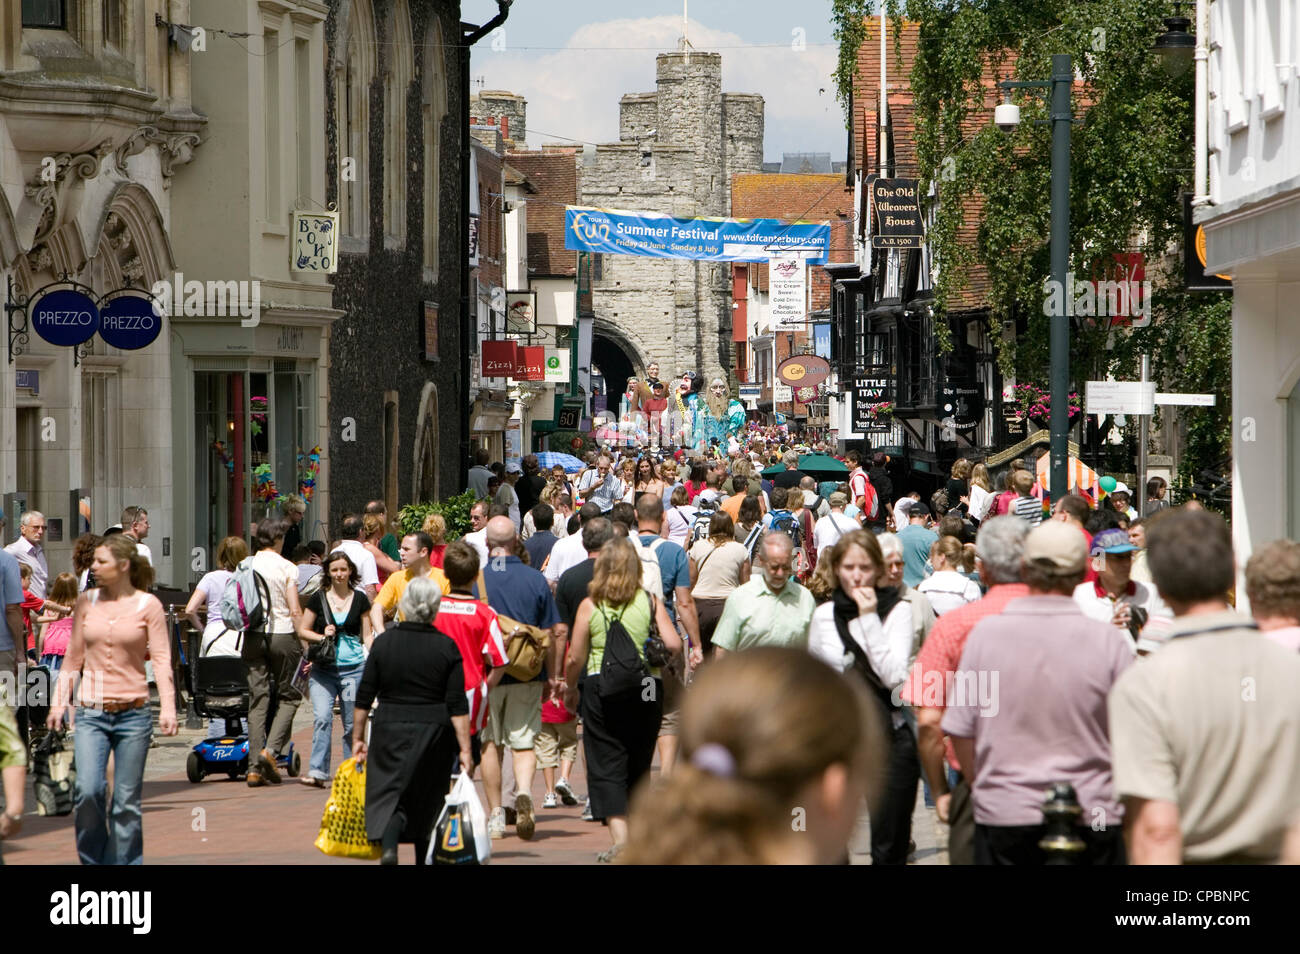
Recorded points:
(343, 826)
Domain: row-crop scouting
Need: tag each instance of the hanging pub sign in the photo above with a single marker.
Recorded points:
(65, 317)
(315, 242)
(897, 214)
(130, 321)
(521, 312)
(961, 406)
(499, 359)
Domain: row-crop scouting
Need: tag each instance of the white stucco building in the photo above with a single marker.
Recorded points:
(1252, 231)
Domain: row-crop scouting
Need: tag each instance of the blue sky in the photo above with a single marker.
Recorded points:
(573, 59)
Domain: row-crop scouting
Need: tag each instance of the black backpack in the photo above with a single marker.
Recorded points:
(622, 670)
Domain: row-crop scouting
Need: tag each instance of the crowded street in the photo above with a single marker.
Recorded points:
(643, 433)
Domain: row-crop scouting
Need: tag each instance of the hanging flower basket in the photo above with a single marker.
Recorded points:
(1035, 404)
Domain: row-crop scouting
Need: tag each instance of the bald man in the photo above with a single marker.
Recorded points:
(772, 609)
(515, 708)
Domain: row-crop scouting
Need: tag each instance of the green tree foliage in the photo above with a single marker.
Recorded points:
(1130, 163)
(455, 510)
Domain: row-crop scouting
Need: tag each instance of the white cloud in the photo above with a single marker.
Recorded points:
(574, 92)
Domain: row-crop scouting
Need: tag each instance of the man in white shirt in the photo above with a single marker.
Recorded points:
(477, 537)
(601, 486)
(135, 524)
(570, 551)
(27, 549)
(828, 530)
(1113, 596)
(361, 558)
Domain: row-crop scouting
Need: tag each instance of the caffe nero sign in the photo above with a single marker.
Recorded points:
(127, 319)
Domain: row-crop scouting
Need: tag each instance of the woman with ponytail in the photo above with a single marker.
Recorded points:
(114, 626)
(760, 783)
(867, 627)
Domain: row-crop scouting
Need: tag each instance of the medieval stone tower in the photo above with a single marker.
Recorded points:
(678, 149)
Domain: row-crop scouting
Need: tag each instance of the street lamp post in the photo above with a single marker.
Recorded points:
(1059, 88)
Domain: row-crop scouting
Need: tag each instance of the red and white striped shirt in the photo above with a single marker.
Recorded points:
(473, 626)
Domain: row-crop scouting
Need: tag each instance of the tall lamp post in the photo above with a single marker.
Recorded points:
(1007, 117)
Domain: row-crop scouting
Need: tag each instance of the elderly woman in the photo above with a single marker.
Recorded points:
(421, 724)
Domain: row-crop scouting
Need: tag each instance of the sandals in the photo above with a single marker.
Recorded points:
(313, 782)
(609, 856)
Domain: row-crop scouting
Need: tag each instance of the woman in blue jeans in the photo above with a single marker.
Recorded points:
(340, 613)
(114, 626)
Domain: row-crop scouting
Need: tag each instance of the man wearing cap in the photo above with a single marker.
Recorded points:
(1027, 710)
(916, 540)
(1114, 595)
(828, 530)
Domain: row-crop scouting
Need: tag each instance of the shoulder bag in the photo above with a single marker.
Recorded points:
(526, 645)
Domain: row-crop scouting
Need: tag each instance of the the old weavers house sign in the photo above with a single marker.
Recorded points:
(897, 214)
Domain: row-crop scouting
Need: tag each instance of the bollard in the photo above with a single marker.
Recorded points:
(1061, 811)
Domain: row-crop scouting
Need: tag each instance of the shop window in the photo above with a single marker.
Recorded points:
(253, 439)
(44, 14)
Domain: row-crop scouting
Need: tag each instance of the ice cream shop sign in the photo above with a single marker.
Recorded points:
(68, 314)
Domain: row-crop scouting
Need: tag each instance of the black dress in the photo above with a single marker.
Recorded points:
(418, 676)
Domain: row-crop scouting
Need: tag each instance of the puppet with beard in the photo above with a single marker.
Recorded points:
(681, 409)
(717, 418)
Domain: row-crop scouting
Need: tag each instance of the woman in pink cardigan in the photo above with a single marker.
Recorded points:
(114, 626)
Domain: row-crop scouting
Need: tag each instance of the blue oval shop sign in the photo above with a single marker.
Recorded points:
(130, 322)
(65, 318)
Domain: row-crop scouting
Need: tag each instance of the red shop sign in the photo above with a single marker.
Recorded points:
(499, 359)
(529, 365)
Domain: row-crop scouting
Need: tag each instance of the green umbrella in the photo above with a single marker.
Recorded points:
(818, 466)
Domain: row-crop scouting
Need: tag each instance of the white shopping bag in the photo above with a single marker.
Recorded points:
(465, 797)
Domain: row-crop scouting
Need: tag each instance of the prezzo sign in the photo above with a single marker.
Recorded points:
(65, 318)
(130, 321)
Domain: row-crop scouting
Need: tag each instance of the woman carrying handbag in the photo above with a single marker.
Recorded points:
(336, 627)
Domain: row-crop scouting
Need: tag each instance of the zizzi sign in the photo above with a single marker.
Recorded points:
(65, 318)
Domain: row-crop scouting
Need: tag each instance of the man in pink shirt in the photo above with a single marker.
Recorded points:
(1028, 710)
(999, 548)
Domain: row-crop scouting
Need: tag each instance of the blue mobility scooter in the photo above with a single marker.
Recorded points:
(221, 692)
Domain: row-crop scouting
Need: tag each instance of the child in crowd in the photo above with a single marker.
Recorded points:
(34, 604)
(56, 630)
(1026, 506)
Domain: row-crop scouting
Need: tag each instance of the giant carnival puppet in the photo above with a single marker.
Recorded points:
(718, 418)
(704, 421)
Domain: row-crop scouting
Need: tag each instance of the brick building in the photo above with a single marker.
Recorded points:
(759, 350)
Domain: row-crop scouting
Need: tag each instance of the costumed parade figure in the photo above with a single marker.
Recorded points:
(654, 404)
(632, 421)
(717, 419)
(681, 410)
